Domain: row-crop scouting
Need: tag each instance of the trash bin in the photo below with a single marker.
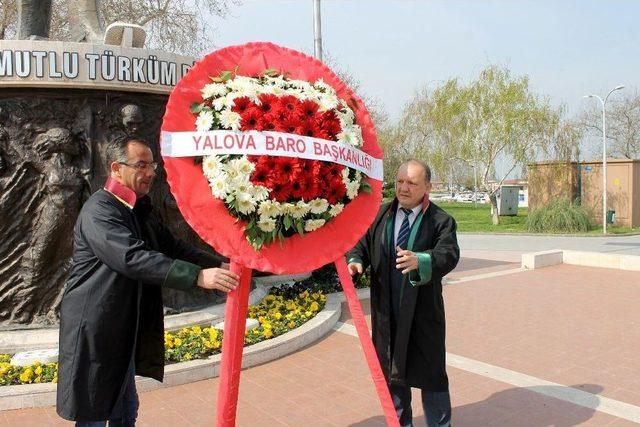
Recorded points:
(611, 217)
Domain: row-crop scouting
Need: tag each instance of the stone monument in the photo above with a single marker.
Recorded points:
(60, 103)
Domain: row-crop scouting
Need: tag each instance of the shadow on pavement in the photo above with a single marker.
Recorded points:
(517, 407)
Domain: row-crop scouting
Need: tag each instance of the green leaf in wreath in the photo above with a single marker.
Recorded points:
(300, 227)
(196, 107)
(226, 75)
(271, 72)
(287, 222)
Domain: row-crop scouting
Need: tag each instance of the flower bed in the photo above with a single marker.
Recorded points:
(280, 311)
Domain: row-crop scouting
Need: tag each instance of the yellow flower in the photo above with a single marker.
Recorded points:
(314, 306)
(262, 320)
(216, 345)
(178, 342)
(187, 356)
(267, 333)
(208, 344)
(55, 380)
(291, 325)
(27, 375)
(196, 330)
(213, 334)
(39, 370)
(308, 313)
(304, 294)
(270, 298)
(278, 316)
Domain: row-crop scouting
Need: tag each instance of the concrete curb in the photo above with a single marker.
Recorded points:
(34, 339)
(41, 395)
(542, 259)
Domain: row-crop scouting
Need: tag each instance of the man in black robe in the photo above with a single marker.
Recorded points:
(410, 247)
(111, 315)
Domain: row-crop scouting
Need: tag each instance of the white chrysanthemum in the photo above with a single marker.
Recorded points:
(276, 81)
(211, 166)
(327, 102)
(219, 104)
(204, 121)
(259, 192)
(267, 224)
(245, 204)
(272, 90)
(349, 135)
(243, 165)
(318, 206)
(313, 224)
(345, 175)
(241, 186)
(229, 119)
(300, 209)
(321, 85)
(336, 209)
(213, 90)
(287, 208)
(352, 189)
(219, 187)
(302, 85)
(269, 208)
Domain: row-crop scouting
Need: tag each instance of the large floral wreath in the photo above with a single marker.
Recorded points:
(278, 196)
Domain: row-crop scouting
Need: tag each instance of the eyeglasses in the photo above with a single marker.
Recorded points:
(141, 165)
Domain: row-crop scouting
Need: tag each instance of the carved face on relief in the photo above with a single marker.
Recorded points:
(132, 118)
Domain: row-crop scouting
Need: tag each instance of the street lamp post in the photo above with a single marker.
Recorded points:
(317, 31)
(604, 154)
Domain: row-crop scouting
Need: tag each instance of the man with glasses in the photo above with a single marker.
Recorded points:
(111, 314)
(410, 247)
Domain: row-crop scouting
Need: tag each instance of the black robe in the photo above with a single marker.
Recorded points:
(417, 355)
(112, 303)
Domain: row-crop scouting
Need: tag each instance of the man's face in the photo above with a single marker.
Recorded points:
(137, 174)
(411, 185)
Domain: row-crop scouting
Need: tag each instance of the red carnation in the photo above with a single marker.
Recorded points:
(289, 124)
(280, 192)
(311, 185)
(286, 167)
(260, 176)
(240, 104)
(335, 191)
(332, 170)
(268, 102)
(251, 119)
(308, 108)
(289, 103)
(330, 123)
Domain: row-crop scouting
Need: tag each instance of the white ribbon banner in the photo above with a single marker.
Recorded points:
(188, 144)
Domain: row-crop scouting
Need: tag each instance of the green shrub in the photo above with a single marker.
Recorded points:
(560, 216)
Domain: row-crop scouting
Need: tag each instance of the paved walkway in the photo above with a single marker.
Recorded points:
(550, 347)
(628, 245)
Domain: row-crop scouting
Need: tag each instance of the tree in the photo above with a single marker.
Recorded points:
(623, 126)
(493, 119)
(172, 25)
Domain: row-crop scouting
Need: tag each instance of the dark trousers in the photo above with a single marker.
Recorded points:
(126, 410)
(437, 406)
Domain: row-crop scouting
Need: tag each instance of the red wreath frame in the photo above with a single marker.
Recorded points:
(209, 217)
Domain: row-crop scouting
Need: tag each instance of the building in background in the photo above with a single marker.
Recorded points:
(583, 181)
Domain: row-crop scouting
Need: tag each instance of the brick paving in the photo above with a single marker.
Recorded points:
(574, 326)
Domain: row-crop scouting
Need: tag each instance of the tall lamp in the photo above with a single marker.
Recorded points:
(604, 154)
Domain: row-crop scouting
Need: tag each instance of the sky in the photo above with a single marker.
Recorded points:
(568, 48)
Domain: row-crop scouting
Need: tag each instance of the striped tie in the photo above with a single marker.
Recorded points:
(403, 234)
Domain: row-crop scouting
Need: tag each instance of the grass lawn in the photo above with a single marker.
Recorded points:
(473, 219)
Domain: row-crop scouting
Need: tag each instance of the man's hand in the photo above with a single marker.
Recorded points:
(217, 278)
(406, 260)
(355, 267)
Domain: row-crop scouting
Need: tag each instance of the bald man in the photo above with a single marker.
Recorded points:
(410, 247)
